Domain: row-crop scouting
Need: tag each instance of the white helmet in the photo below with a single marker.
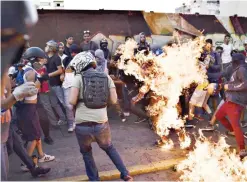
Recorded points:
(81, 61)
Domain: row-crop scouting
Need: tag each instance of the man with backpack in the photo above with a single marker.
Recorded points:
(90, 93)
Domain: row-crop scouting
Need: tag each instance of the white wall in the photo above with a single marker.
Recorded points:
(229, 8)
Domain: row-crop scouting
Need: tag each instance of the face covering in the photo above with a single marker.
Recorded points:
(46, 49)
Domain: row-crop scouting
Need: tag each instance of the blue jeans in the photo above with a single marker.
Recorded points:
(126, 100)
(56, 96)
(134, 108)
(102, 135)
(68, 107)
(45, 102)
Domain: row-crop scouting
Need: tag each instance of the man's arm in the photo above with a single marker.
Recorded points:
(8, 102)
(30, 77)
(74, 94)
(113, 92)
(25, 90)
(75, 90)
(113, 96)
(242, 77)
(142, 91)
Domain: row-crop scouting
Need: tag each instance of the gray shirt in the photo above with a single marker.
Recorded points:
(89, 46)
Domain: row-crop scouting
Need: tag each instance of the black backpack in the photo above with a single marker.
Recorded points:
(95, 89)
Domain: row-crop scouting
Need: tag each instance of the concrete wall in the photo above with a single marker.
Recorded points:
(115, 25)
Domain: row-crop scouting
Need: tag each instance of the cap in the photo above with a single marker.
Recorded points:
(74, 48)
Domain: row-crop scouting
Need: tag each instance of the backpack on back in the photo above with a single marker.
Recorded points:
(95, 89)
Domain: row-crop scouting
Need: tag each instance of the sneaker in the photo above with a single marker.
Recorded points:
(123, 118)
(126, 114)
(74, 125)
(61, 122)
(189, 124)
(37, 171)
(242, 154)
(46, 158)
(140, 120)
(209, 127)
(48, 140)
(24, 168)
(71, 129)
(243, 124)
(128, 178)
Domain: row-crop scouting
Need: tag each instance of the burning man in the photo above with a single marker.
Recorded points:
(165, 77)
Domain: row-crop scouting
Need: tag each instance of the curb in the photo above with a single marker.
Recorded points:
(134, 170)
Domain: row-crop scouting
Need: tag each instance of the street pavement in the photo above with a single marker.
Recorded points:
(134, 142)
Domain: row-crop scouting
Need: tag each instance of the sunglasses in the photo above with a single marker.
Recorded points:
(86, 31)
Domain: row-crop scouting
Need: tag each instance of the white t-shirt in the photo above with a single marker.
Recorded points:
(68, 80)
(226, 54)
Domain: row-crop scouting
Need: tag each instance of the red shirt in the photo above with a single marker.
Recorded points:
(44, 88)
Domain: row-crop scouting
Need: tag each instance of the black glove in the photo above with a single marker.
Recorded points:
(44, 77)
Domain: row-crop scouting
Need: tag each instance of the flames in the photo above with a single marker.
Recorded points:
(166, 76)
(212, 161)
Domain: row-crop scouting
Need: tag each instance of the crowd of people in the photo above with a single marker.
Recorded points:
(70, 84)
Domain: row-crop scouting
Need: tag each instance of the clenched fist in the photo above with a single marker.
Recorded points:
(25, 90)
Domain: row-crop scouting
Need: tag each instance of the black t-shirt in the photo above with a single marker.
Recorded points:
(53, 63)
(66, 51)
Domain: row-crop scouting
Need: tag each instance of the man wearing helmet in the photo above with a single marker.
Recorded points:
(54, 69)
(103, 47)
(15, 16)
(27, 109)
(91, 97)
